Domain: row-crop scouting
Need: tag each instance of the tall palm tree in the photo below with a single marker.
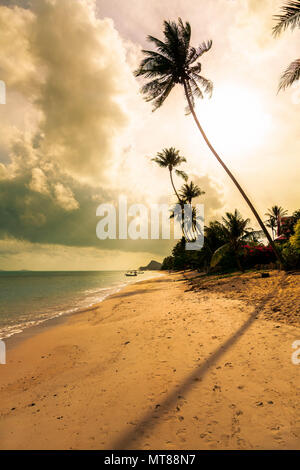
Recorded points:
(235, 230)
(174, 62)
(275, 213)
(170, 158)
(290, 18)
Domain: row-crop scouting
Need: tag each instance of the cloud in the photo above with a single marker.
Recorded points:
(15, 254)
(38, 181)
(65, 197)
(37, 207)
(71, 66)
(213, 197)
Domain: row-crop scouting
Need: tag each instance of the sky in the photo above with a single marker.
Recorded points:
(75, 131)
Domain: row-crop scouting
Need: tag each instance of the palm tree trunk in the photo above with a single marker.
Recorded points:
(172, 182)
(259, 220)
(179, 199)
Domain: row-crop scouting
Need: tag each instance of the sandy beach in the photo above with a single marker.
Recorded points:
(169, 363)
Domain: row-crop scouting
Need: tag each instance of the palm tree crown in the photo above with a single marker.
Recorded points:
(175, 61)
(290, 18)
(171, 158)
(276, 212)
(235, 227)
(189, 191)
(233, 230)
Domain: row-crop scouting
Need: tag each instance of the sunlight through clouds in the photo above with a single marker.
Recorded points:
(76, 132)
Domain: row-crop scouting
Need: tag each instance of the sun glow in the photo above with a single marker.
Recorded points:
(235, 119)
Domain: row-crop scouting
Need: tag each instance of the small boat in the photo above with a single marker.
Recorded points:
(131, 273)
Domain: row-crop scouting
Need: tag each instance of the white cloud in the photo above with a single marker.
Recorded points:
(65, 197)
(39, 181)
(71, 67)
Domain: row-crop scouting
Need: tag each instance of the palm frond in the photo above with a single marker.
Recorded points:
(290, 17)
(204, 47)
(158, 101)
(219, 255)
(185, 32)
(182, 174)
(196, 90)
(194, 53)
(154, 88)
(291, 75)
(161, 163)
(154, 66)
(161, 46)
(206, 84)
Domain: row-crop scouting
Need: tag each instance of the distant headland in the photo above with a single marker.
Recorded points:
(152, 266)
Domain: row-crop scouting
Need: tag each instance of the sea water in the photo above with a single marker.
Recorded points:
(28, 298)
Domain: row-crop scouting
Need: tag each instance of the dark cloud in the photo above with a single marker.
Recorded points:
(38, 217)
(14, 3)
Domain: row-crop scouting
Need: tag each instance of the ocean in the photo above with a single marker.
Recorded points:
(28, 298)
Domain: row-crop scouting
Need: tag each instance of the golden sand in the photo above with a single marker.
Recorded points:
(164, 364)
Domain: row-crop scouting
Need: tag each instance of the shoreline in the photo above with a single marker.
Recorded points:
(16, 338)
(156, 366)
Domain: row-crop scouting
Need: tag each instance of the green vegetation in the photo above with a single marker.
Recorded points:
(295, 239)
(231, 245)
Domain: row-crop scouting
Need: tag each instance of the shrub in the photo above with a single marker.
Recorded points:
(295, 239)
(291, 256)
(257, 254)
(168, 263)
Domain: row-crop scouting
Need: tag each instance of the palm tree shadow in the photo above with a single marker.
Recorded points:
(150, 419)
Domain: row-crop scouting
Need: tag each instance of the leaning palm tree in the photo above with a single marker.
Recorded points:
(174, 62)
(170, 159)
(290, 18)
